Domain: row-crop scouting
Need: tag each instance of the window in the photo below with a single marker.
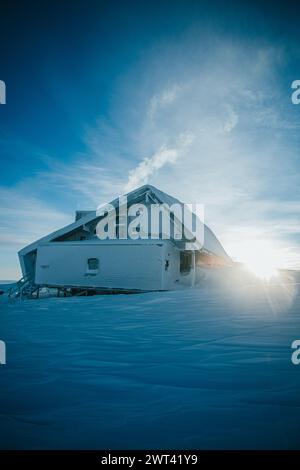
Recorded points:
(92, 265)
(185, 262)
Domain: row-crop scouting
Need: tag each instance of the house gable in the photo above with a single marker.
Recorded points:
(86, 221)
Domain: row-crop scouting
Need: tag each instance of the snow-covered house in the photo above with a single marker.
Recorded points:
(75, 257)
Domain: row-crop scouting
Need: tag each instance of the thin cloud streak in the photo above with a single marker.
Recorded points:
(24, 219)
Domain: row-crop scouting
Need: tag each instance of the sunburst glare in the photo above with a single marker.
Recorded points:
(261, 258)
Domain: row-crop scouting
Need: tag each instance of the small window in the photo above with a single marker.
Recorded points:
(93, 264)
(185, 262)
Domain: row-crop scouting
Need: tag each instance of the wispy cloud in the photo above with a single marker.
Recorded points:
(149, 166)
(232, 119)
(163, 99)
(143, 172)
(86, 182)
(24, 219)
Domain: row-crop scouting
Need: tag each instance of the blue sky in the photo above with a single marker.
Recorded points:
(195, 99)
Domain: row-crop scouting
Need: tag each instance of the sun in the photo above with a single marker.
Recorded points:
(263, 270)
(261, 258)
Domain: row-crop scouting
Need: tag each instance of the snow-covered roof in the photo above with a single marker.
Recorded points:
(210, 244)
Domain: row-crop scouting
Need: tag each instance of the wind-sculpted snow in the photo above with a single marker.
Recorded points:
(203, 368)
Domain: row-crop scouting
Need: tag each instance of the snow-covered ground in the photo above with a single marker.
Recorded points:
(5, 285)
(197, 368)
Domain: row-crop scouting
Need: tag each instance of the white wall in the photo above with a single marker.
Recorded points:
(127, 266)
(171, 277)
